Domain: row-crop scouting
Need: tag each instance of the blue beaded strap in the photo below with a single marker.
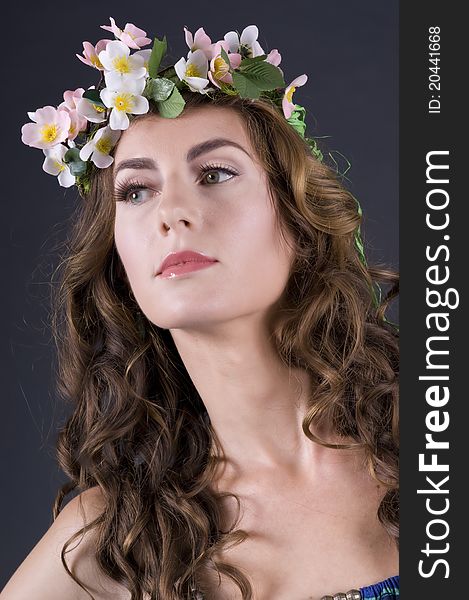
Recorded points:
(387, 589)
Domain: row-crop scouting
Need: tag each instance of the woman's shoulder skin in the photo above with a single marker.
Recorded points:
(42, 575)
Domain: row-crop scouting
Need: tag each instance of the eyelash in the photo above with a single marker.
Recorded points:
(128, 186)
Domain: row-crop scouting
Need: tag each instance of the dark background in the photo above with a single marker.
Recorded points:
(349, 51)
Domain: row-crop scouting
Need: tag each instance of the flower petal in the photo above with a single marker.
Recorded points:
(118, 119)
(199, 59)
(101, 160)
(249, 35)
(233, 40)
(108, 96)
(201, 39)
(257, 49)
(46, 114)
(30, 135)
(287, 107)
(300, 80)
(51, 166)
(140, 105)
(197, 83)
(274, 57)
(87, 149)
(180, 68)
(189, 37)
(66, 179)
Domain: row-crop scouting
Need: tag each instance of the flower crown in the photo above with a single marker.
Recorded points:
(78, 135)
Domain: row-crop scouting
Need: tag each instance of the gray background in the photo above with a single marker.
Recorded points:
(349, 51)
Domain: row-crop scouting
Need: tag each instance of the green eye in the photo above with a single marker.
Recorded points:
(214, 174)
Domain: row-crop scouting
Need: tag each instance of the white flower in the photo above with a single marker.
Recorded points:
(127, 99)
(119, 65)
(100, 146)
(54, 165)
(146, 56)
(247, 42)
(194, 70)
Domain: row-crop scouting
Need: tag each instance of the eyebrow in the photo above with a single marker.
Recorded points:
(192, 154)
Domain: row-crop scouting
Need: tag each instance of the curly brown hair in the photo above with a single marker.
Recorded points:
(139, 429)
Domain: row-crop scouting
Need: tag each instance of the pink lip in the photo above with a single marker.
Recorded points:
(184, 262)
(185, 268)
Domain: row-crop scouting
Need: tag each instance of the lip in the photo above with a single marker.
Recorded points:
(184, 262)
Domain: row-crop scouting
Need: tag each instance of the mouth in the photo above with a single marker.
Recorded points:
(184, 268)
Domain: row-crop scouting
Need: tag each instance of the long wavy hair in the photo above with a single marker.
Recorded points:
(138, 428)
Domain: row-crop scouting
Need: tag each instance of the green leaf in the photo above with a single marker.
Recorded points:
(265, 75)
(253, 59)
(157, 53)
(158, 89)
(297, 119)
(172, 107)
(75, 164)
(314, 148)
(94, 97)
(77, 168)
(245, 86)
(71, 155)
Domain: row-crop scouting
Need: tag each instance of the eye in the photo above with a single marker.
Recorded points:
(216, 174)
(132, 192)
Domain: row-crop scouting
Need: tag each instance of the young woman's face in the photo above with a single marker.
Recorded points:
(201, 189)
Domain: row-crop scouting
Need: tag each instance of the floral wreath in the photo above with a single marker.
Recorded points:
(80, 133)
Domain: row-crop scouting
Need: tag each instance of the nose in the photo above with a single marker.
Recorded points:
(177, 207)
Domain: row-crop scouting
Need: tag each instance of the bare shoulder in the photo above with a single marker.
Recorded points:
(42, 575)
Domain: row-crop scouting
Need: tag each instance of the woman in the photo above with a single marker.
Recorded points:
(234, 428)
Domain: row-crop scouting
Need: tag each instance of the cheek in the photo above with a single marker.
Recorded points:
(131, 249)
(261, 259)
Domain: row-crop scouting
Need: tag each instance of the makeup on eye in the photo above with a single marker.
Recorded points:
(132, 185)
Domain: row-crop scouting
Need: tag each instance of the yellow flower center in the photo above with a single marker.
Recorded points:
(124, 102)
(96, 62)
(60, 166)
(121, 64)
(290, 93)
(221, 68)
(49, 132)
(192, 71)
(99, 109)
(104, 145)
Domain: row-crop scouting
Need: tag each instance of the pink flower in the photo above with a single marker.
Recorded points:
(71, 98)
(287, 104)
(274, 57)
(77, 121)
(132, 36)
(219, 69)
(50, 127)
(91, 54)
(200, 41)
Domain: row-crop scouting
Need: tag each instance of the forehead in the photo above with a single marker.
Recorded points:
(155, 133)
